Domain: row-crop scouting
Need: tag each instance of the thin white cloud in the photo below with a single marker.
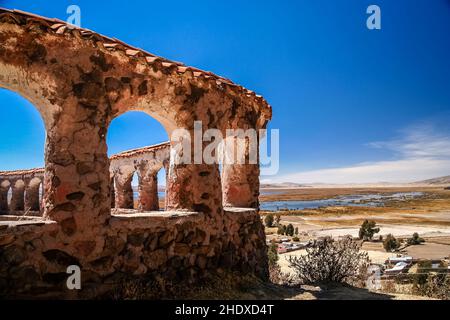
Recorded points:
(421, 154)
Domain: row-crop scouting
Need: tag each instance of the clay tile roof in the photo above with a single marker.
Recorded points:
(56, 25)
(110, 45)
(131, 52)
(29, 14)
(168, 64)
(21, 172)
(152, 59)
(60, 27)
(134, 152)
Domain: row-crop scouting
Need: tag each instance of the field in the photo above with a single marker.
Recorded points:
(429, 215)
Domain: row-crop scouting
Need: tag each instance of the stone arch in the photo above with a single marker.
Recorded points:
(32, 194)
(80, 81)
(123, 177)
(146, 168)
(18, 196)
(5, 187)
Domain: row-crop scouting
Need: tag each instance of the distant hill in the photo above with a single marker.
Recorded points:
(435, 181)
(283, 185)
(440, 181)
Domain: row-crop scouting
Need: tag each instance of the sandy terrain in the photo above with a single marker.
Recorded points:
(376, 256)
(429, 251)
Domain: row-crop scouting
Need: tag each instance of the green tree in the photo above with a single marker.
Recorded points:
(368, 229)
(415, 239)
(281, 229)
(390, 243)
(272, 254)
(290, 230)
(296, 231)
(268, 220)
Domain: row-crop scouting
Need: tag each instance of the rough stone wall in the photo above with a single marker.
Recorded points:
(166, 248)
(80, 81)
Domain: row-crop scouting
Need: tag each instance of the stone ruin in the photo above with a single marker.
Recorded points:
(21, 191)
(80, 81)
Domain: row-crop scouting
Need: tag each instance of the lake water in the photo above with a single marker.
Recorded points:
(367, 200)
(161, 194)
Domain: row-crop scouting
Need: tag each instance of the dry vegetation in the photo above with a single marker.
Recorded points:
(431, 209)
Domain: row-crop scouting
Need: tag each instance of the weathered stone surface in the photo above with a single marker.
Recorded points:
(79, 82)
(6, 239)
(60, 257)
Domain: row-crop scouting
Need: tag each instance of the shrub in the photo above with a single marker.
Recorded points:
(296, 231)
(277, 219)
(297, 239)
(433, 285)
(290, 230)
(280, 230)
(367, 230)
(272, 254)
(415, 239)
(390, 243)
(268, 220)
(331, 261)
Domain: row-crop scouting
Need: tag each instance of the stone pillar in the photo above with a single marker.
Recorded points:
(32, 202)
(124, 190)
(240, 183)
(240, 178)
(193, 187)
(166, 164)
(17, 200)
(4, 187)
(148, 190)
(76, 181)
(112, 193)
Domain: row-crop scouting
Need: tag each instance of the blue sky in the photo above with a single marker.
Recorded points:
(350, 103)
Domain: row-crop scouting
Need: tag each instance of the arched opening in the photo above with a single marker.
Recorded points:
(17, 203)
(4, 196)
(21, 149)
(32, 195)
(9, 197)
(137, 181)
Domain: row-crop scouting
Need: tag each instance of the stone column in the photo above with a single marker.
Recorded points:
(240, 180)
(166, 164)
(240, 183)
(112, 193)
(148, 190)
(76, 181)
(4, 187)
(124, 190)
(17, 200)
(32, 197)
(193, 187)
